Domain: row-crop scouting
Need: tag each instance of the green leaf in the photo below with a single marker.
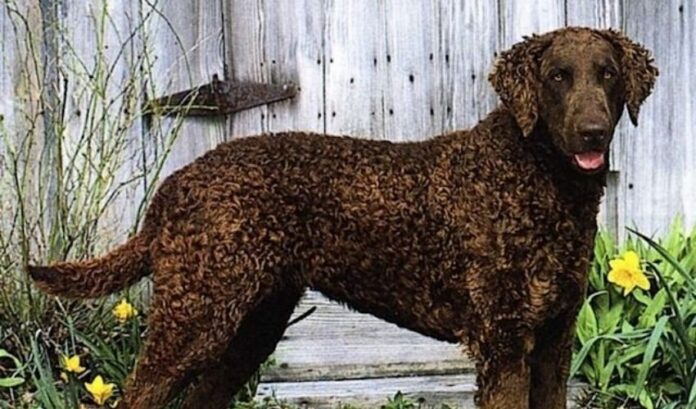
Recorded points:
(670, 259)
(650, 353)
(609, 320)
(655, 307)
(641, 297)
(46, 391)
(15, 361)
(679, 322)
(631, 352)
(674, 240)
(607, 371)
(626, 327)
(689, 260)
(11, 382)
(672, 388)
(580, 357)
(692, 395)
(644, 399)
(587, 323)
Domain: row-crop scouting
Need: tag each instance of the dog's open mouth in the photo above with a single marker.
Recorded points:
(589, 161)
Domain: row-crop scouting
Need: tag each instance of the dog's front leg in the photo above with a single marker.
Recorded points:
(550, 363)
(503, 369)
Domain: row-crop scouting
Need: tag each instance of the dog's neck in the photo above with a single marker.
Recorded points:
(577, 187)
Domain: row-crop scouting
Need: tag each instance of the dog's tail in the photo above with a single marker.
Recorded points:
(97, 277)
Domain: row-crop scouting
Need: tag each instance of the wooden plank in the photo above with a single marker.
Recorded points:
(433, 391)
(354, 78)
(19, 109)
(278, 43)
(687, 77)
(245, 54)
(657, 181)
(469, 32)
(16, 74)
(594, 13)
(457, 391)
(188, 45)
(413, 81)
(295, 52)
(521, 18)
(9, 74)
(335, 343)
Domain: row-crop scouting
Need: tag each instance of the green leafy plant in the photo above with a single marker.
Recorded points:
(14, 378)
(399, 401)
(638, 348)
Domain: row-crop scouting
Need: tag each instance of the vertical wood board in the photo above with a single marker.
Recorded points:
(413, 82)
(594, 13)
(278, 43)
(520, 18)
(12, 102)
(355, 45)
(470, 43)
(687, 77)
(189, 50)
(654, 160)
(245, 35)
(294, 46)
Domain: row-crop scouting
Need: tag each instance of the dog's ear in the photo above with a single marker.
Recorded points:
(637, 70)
(515, 78)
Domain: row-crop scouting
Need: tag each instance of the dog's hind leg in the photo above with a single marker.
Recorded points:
(171, 355)
(255, 341)
(199, 303)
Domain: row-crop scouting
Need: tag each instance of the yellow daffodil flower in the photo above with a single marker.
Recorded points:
(625, 272)
(99, 390)
(72, 364)
(124, 311)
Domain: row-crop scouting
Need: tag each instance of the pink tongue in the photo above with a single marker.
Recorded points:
(590, 160)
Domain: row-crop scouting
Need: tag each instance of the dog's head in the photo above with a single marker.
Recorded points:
(576, 81)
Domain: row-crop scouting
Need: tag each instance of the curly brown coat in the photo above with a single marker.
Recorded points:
(481, 237)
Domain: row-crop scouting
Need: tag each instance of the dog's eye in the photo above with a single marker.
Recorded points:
(608, 74)
(557, 76)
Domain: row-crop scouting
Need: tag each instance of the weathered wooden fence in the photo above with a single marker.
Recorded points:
(399, 70)
(387, 69)
(406, 70)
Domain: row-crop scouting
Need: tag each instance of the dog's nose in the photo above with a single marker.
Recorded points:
(593, 132)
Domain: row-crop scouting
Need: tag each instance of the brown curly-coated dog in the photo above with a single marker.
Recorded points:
(481, 237)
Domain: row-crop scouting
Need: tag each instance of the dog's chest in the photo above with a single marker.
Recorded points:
(559, 268)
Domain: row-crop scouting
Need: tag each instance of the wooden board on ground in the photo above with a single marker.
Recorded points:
(456, 391)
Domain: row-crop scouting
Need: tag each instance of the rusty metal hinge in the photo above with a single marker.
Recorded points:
(220, 98)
